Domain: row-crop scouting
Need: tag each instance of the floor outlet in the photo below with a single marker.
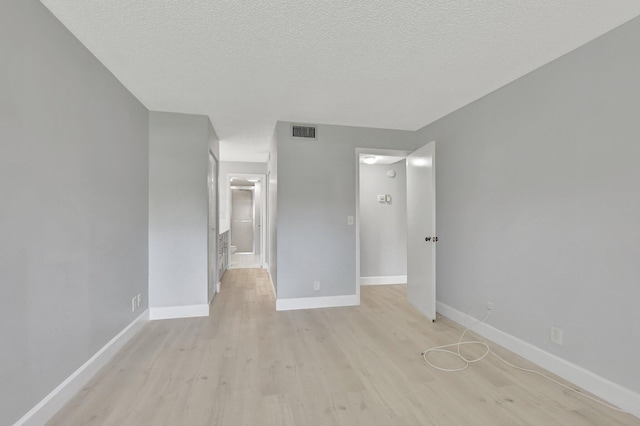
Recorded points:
(316, 285)
(556, 335)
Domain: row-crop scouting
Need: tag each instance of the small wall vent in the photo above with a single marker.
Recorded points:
(300, 131)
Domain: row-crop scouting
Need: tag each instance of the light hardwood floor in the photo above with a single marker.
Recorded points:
(249, 365)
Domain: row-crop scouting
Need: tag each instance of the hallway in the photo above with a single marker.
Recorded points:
(247, 364)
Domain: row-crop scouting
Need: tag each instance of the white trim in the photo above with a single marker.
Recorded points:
(170, 312)
(66, 390)
(218, 287)
(609, 391)
(317, 302)
(389, 279)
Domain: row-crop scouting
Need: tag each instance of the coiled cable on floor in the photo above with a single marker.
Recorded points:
(487, 350)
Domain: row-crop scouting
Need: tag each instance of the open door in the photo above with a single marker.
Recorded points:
(421, 228)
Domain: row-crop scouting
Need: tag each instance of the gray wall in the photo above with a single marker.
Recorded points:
(272, 208)
(316, 192)
(213, 172)
(383, 226)
(73, 184)
(538, 205)
(178, 206)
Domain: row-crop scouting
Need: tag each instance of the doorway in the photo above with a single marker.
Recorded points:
(395, 222)
(242, 219)
(246, 198)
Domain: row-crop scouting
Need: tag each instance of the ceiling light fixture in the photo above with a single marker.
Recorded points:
(369, 159)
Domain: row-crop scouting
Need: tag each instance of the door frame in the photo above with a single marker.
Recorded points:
(359, 152)
(263, 203)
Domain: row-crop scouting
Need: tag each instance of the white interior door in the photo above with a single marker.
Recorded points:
(421, 227)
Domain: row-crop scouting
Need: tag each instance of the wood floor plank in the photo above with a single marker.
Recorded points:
(247, 364)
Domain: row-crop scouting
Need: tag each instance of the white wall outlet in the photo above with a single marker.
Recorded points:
(381, 198)
(133, 304)
(316, 285)
(349, 220)
(138, 300)
(556, 335)
(489, 306)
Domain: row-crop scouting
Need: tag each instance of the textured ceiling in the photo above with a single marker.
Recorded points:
(397, 64)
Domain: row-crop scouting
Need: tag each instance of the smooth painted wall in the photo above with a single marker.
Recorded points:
(383, 226)
(538, 205)
(178, 209)
(272, 208)
(213, 171)
(73, 215)
(316, 192)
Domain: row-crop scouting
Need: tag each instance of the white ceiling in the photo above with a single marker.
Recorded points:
(397, 64)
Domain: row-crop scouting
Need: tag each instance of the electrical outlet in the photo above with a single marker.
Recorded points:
(316, 285)
(133, 304)
(489, 306)
(556, 335)
(138, 300)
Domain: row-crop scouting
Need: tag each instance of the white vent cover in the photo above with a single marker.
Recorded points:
(301, 131)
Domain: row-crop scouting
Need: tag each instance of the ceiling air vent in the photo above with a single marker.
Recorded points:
(299, 131)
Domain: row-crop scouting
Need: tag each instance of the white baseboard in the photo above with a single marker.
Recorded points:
(389, 279)
(316, 302)
(66, 390)
(218, 287)
(587, 380)
(171, 312)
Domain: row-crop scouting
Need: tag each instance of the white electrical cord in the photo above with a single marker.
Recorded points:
(487, 351)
